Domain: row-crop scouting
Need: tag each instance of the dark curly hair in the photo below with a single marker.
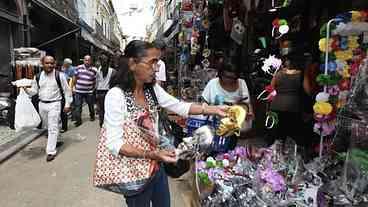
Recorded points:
(124, 77)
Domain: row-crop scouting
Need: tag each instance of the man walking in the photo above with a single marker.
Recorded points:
(104, 75)
(68, 69)
(84, 81)
(52, 88)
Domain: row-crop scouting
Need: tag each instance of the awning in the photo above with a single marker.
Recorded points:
(88, 37)
(168, 24)
(49, 25)
(58, 38)
(56, 12)
(173, 33)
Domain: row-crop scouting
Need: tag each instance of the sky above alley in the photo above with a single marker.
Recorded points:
(134, 23)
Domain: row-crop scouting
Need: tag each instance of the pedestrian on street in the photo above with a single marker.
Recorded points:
(104, 75)
(52, 89)
(68, 69)
(131, 99)
(161, 67)
(84, 81)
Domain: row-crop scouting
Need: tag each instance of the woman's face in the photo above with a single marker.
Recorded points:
(145, 68)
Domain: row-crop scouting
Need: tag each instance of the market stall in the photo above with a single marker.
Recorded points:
(277, 176)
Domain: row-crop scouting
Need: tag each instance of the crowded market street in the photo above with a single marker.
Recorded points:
(183, 103)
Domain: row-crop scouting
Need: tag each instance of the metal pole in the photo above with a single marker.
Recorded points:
(57, 38)
(325, 72)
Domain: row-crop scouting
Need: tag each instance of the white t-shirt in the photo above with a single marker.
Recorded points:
(213, 89)
(102, 83)
(161, 73)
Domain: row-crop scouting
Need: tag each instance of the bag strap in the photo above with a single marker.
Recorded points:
(58, 82)
(163, 117)
(153, 94)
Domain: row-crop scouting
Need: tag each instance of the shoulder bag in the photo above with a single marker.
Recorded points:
(121, 174)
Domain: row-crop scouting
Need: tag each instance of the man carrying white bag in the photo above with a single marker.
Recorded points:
(53, 93)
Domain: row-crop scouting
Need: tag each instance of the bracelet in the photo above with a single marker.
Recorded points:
(144, 154)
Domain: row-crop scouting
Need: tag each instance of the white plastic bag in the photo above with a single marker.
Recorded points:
(26, 116)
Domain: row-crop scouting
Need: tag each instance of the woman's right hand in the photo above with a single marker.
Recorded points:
(219, 110)
(167, 156)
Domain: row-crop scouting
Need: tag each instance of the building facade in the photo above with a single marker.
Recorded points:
(13, 34)
(100, 28)
(165, 17)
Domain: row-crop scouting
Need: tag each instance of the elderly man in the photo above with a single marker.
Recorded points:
(68, 68)
(52, 89)
(84, 81)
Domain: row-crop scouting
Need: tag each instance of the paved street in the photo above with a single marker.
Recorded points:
(27, 180)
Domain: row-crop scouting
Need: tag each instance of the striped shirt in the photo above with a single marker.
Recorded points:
(86, 79)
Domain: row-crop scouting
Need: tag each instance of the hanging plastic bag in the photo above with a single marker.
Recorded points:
(26, 116)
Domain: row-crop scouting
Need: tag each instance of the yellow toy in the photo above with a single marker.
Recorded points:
(233, 122)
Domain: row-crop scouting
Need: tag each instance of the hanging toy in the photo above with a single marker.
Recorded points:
(282, 27)
(271, 65)
(237, 31)
(272, 120)
(268, 90)
(205, 24)
(206, 51)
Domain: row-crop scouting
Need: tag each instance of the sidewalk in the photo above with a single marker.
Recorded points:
(11, 141)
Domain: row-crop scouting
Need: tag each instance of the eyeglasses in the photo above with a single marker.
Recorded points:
(152, 62)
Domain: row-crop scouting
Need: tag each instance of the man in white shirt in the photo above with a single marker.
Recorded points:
(50, 92)
(103, 77)
(161, 70)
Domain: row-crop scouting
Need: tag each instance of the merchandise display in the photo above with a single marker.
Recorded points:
(277, 176)
(343, 53)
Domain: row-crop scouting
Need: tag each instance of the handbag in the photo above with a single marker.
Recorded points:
(121, 174)
(175, 135)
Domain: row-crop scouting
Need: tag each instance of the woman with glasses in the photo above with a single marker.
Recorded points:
(228, 89)
(131, 99)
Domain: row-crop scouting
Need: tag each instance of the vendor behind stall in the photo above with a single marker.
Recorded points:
(228, 89)
(290, 83)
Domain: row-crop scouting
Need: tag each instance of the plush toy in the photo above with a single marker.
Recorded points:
(237, 31)
(271, 65)
(281, 26)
